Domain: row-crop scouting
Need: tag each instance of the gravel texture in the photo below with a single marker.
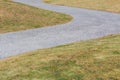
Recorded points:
(86, 24)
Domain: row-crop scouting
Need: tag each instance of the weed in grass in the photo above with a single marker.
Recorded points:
(116, 52)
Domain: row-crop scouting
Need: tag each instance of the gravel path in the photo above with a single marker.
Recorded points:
(87, 24)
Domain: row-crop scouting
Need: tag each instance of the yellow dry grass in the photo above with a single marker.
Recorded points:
(87, 60)
(105, 5)
(15, 17)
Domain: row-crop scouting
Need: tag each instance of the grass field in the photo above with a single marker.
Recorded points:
(97, 59)
(87, 60)
(104, 5)
(15, 17)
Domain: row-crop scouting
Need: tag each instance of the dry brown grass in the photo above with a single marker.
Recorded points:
(89, 60)
(105, 5)
(14, 17)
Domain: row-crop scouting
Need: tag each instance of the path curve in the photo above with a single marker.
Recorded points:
(87, 24)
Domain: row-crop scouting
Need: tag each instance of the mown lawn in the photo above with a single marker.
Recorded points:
(97, 59)
(87, 60)
(104, 5)
(15, 17)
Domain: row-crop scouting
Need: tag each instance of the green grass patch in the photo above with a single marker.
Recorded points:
(15, 17)
(87, 60)
(116, 52)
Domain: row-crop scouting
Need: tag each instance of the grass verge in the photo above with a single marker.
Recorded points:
(88, 60)
(104, 5)
(15, 17)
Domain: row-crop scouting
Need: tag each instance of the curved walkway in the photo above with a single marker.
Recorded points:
(87, 24)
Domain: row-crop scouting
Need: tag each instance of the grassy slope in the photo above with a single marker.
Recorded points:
(14, 17)
(89, 60)
(105, 5)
